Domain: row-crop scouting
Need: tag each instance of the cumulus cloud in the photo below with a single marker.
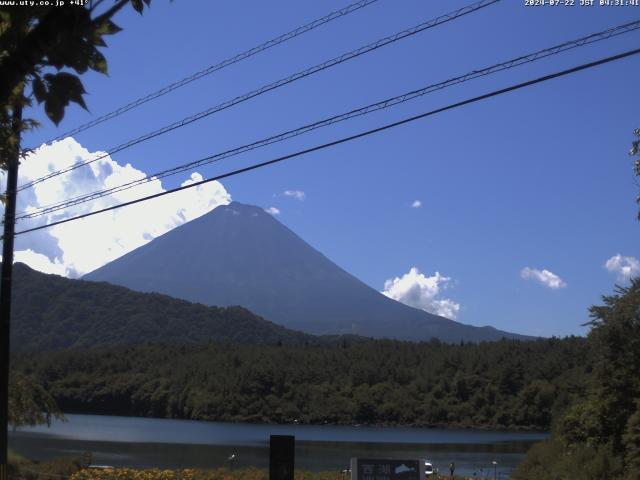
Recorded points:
(543, 277)
(272, 210)
(38, 261)
(78, 247)
(419, 291)
(624, 267)
(297, 194)
(416, 204)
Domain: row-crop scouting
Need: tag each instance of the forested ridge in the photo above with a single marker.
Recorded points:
(51, 312)
(510, 384)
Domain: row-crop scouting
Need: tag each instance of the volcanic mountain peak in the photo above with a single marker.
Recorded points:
(239, 254)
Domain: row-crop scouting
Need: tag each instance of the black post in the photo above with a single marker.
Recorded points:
(282, 457)
(5, 284)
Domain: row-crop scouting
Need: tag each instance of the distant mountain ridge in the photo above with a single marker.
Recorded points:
(240, 255)
(50, 312)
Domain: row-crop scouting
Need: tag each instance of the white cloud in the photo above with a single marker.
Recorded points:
(39, 262)
(625, 267)
(272, 210)
(543, 277)
(419, 291)
(416, 204)
(297, 194)
(78, 247)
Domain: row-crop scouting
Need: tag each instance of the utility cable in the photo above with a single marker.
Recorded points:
(218, 66)
(366, 133)
(596, 37)
(277, 84)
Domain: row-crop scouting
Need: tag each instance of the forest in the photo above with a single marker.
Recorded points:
(586, 391)
(50, 312)
(598, 436)
(506, 384)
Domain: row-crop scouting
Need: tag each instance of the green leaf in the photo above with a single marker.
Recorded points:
(77, 98)
(98, 62)
(137, 5)
(63, 88)
(72, 86)
(65, 81)
(107, 27)
(78, 58)
(29, 124)
(54, 108)
(98, 41)
(5, 22)
(39, 90)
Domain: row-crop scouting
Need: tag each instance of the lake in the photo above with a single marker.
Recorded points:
(153, 442)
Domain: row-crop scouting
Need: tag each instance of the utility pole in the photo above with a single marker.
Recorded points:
(12, 162)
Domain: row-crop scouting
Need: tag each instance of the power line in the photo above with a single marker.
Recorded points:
(349, 138)
(595, 37)
(284, 81)
(277, 84)
(219, 66)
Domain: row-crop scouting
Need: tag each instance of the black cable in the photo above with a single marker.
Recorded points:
(521, 60)
(219, 66)
(274, 85)
(349, 138)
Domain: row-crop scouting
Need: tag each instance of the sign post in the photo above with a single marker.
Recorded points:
(386, 469)
(282, 449)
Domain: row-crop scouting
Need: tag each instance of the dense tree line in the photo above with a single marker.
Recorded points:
(498, 384)
(599, 434)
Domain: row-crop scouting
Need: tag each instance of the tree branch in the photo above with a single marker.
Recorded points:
(38, 42)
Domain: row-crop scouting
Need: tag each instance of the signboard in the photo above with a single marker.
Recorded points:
(282, 457)
(386, 469)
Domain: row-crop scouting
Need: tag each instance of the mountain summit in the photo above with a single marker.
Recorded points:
(240, 255)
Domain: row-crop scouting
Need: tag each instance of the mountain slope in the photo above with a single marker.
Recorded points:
(240, 255)
(51, 312)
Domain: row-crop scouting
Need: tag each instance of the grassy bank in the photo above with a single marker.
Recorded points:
(193, 474)
(70, 469)
(215, 474)
(25, 469)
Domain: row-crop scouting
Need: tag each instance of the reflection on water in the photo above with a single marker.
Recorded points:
(140, 442)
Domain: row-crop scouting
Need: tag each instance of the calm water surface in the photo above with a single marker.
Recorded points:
(151, 442)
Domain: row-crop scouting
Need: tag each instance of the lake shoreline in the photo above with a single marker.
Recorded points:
(142, 442)
(438, 426)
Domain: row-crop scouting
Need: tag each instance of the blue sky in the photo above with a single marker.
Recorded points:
(538, 178)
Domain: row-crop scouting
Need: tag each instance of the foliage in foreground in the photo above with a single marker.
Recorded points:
(552, 460)
(498, 384)
(22, 468)
(43, 46)
(599, 435)
(192, 474)
(29, 403)
(635, 152)
(25, 469)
